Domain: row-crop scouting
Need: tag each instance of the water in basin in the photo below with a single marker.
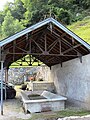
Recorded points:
(35, 97)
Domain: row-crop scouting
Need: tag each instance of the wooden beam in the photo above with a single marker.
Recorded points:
(50, 59)
(40, 36)
(27, 36)
(51, 27)
(61, 64)
(21, 49)
(30, 45)
(80, 57)
(6, 80)
(42, 54)
(71, 48)
(3, 54)
(14, 45)
(73, 41)
(63, 40)
(63, 34)
(0, 54)
(53, 46)
(60, 46)
(38, 46)
(22, 40)
(45, 43)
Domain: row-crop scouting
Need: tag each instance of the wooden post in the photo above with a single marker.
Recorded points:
(6, 80)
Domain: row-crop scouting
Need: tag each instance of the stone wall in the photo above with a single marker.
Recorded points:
(73, 81)
(19, 75)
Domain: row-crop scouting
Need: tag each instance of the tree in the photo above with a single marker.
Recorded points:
(10, 25)
(28, 12)
(35, 10)
(2, 15)
(63, 16)
(18, 10)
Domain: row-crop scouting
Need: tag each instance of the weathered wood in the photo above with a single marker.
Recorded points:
(43, 54)
(63, 40)
(53, 46)
(21, 49)
(60, 46)
(6, 80)
(71, 48)
(45, 43)
(38, 45)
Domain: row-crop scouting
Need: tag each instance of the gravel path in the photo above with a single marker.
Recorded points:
(13, 110)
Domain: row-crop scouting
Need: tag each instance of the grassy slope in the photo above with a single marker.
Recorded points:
(82, 29)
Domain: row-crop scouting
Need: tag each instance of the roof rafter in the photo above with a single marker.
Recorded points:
(49, 41)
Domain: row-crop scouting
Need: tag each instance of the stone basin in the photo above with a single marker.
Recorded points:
(41, 102)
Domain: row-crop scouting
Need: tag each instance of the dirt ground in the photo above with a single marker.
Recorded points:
(12, 109)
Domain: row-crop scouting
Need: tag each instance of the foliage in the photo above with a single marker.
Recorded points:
(2, 15)
(10, 25)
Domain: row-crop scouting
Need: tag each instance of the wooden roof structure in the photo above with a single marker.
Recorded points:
(48, 41)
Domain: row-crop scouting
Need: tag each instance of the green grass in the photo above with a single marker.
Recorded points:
(82, 29)
(60, 114)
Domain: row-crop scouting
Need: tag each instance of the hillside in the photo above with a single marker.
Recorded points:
(82, 29)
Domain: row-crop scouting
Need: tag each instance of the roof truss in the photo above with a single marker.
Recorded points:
(49, 41)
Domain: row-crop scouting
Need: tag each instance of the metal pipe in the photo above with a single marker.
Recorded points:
(2, 87)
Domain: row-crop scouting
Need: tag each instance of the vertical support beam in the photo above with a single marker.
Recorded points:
(50, 67)
(73, 41)
(60, 46)
(14, 44)
(80, 59)
(2, 62)
(79, 56)
(51, 27)
(30, 46)
(0, 54)
(61, 64)
(45, 43)
(30, 60)
(6, 80)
